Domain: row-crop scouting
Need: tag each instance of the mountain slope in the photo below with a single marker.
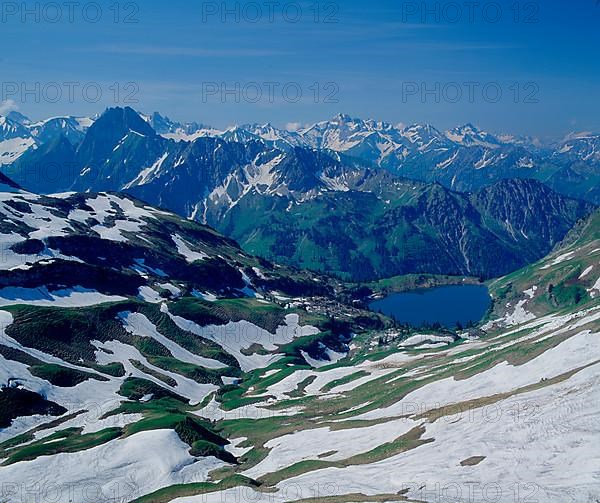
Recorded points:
(565, 280)
(118, 320)
(15, 139)
(464, 158)
(150, 358)
(8, 185)
(389, 227)
(48, 168)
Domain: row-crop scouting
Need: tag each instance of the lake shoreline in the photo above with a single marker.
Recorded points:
(416, 282)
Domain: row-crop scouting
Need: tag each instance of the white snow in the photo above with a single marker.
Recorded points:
(146, 174)
(139, 325)
(184, 250)
(419, 339)
(545, 437)
(214, 412)
(122, 469)
(577, 351)
(69, 297)
(150, 295)
(12, 149)
(237, 336)
(519, 315)
(174, 290)
(595, 290)
(334, 357)
(235, 449)
(312, 443)
(205, 296)
(560, 259)
(269, 373)
(114, 421)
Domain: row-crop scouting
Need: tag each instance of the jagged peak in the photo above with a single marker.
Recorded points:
(19, 117)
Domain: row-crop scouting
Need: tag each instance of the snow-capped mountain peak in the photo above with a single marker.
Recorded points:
(18, 117)
(469, 135)
(15, 140)
(584, 146)
(581, 135)
(10, 129)
(423, 135)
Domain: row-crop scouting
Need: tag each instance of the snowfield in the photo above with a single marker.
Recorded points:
(11, 150)
(71, 297)
(324, 443)
(238, 336)
(184, 250)
(120, 470)
(543, 453)
(138, 324)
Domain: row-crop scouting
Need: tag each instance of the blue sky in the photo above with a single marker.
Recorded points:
(532, 71)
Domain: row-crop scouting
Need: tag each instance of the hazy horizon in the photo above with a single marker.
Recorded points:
(523, 68)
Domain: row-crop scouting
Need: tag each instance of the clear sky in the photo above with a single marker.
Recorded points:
(526, 67)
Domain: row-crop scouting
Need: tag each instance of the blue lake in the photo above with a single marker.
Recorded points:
(446, 305)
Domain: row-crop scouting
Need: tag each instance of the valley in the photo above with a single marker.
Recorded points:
(147, 358)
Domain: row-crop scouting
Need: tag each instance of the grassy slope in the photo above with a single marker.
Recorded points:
(559, 286)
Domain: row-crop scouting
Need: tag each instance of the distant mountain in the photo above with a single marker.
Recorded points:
(176, 130)
(464, 158)
(10, 129)
(47, 168)
(15, 140)
(469, 136)
(580, 147)
(424, 137)
(72, 128)
(313, 207)
(20, 136)
(384, 227)
(18, 117)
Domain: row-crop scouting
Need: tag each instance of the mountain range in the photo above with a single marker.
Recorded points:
(360, 199)
(464, 158)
